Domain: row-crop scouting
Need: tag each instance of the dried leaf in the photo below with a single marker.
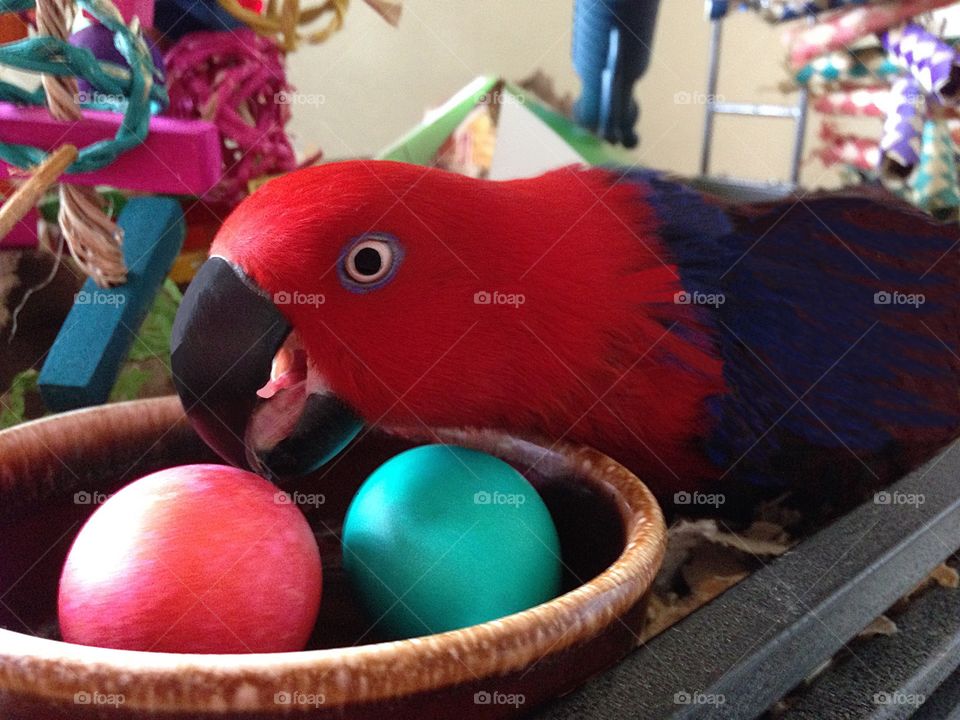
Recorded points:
(768, 531)
(946, 576)
(761, 538)
(713, 563)
(779, 514)
(683, 538)
(702, 561)
(751, 545)
(942, 575)
(389, 10)
(879, 626)
(542, 86)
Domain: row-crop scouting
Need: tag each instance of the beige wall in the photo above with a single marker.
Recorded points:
(376, 81)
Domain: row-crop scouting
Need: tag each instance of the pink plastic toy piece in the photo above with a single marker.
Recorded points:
(179, 157)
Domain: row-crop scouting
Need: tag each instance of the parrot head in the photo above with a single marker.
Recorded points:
(379, 293)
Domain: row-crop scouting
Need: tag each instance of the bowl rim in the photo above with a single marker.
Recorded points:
(376, 671)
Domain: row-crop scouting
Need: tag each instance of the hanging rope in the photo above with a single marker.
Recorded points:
(92, 237)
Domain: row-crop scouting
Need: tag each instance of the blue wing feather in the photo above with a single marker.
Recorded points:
(818, 368)
(842, 335)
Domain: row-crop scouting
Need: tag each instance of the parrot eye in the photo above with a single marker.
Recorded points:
(369, 262)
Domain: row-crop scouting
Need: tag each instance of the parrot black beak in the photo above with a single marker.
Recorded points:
(224, 340)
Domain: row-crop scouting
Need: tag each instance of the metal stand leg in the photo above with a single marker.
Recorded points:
(714, 107)
(713, 75)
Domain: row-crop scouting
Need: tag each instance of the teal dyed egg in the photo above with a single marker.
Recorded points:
(442, 537)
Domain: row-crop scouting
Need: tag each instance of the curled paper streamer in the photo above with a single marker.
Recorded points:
(862, 102)
(846, 69)
(935, 185)
(845, 27)
(858, 152)
(931, 61)
(953, 125)
(900, 144)
(775, 11)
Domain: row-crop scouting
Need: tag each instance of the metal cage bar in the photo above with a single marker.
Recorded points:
(798, 112)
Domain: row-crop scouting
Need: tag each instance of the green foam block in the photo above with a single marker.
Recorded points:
(84, 361)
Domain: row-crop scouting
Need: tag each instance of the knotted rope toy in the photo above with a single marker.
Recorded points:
(91, 236)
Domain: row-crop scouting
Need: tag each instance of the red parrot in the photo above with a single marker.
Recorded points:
(799, 343)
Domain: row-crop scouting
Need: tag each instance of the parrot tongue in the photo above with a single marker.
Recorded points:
(289, 368)
(284, 395)
(299, 424)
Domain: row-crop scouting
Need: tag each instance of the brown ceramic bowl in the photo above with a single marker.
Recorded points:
(52, 470)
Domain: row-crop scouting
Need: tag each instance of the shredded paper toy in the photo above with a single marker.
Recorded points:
(886, 60)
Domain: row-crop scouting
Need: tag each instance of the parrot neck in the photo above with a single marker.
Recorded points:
(610, 340)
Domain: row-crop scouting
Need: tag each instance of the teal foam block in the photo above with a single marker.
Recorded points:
(84, 361)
